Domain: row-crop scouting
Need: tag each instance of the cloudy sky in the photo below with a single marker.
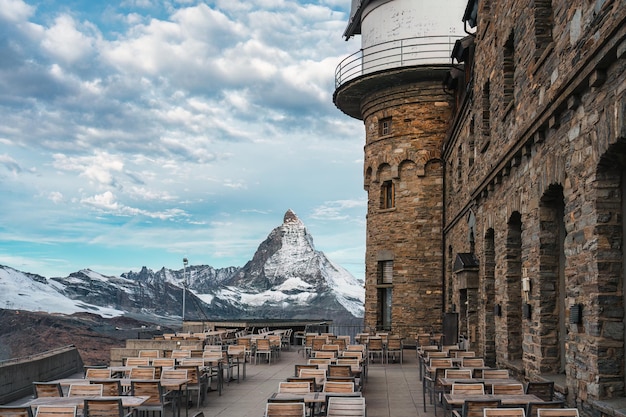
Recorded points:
(139, 132)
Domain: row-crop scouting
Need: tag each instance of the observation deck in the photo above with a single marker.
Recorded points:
(390, 64)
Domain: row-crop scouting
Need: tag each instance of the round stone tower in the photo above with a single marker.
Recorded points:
(394, 84)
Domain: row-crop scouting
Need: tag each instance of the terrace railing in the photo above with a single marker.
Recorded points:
(424, 50)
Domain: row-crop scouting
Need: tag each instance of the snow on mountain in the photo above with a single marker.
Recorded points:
(286, 277)
(22, 291)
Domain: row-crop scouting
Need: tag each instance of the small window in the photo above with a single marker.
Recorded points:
(387, 199)
(385, 272)
(384, 126)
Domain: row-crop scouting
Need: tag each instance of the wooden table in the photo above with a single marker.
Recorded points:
(128, 401)
(488, 383)
(456, 401)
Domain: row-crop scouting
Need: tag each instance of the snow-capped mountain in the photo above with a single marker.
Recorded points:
(286, 278)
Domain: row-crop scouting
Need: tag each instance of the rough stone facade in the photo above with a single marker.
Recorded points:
(531, 171)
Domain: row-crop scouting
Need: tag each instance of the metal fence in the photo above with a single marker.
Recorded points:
(406, 52)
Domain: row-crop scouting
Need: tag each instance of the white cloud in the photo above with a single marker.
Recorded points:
(15, 10)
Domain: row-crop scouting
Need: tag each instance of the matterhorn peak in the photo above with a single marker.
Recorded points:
(291, 217)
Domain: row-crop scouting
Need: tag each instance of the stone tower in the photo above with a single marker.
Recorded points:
(394, 85)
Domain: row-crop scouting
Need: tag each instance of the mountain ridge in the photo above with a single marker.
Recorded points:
(286, 277)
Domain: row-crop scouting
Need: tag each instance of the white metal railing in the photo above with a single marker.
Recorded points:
(406, 52)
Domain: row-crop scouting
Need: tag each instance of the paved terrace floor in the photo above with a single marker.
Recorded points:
(392, 390)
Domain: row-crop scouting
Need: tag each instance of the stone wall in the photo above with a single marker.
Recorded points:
(542, 173)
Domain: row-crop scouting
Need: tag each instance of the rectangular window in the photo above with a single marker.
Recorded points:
(385, 272)
(384, 308)
(387, 199)
(384, 126)
(508, 67)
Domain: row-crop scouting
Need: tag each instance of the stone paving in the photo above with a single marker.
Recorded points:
(392, 390)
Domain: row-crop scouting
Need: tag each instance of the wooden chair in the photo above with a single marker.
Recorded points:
(148, 372)
(47, 389)
(96, 407)
(85, 390)
(395, 347)
(432, 387)
(181, 354)
(149, 353)
(311, 381)
(342, 387)
(156, 401)
(496, 374)
(324, 354)
(320, 362)
(299, 366)
(55, 411)
(339, 370)
(507, 389)
(464, 354)
(458, 374)
(137, 361)
(560, 412)
(197, 382)
(504, 412)
(318, 374)
(533, 407)
(468, 389)
(98, 373)
(345, 406)
(472, 363)
(375, 348)
(542, 389)
(263, 348)
(288, 409)
(475, 408)
(294, 387)
(11, 411)
(110, 387)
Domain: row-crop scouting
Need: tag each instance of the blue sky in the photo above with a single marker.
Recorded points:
(136, 133)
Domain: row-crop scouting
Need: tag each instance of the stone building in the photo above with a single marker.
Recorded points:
(509, 190)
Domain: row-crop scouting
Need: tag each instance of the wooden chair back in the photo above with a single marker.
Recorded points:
(137, 362)
(103, 408)
(475, 408)
(55, 411)
(164, 362)
(345, 406)
(110, 387)
(181, 354)
(311, 381)
(263, 345)
(472, 363)
(193, 373)
(294, 387)
(375, 343)
(174, 374)
(324, 354)
(468, 389)
(557, 412)
(496, 373)
(312, 373)
(464, 354)
(340, 370)
(297, 368)
(288, 409)
(352, 354)
(533, 407)
(504, 412)
(441, 363)
(47, 389)
(394, 343)
(335, 386)
(321, 362)
(542, 389)
(85, 390)
(12, 411)
(348, 361)
(429, 354)
(98, 373)
(458, 373)
(507, 389)
(213, 348)
(149, 353)
(142, 373)
(358, 347)
(150, 389)
(318, 342)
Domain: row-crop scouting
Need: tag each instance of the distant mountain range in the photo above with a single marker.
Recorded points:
(286, 278)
